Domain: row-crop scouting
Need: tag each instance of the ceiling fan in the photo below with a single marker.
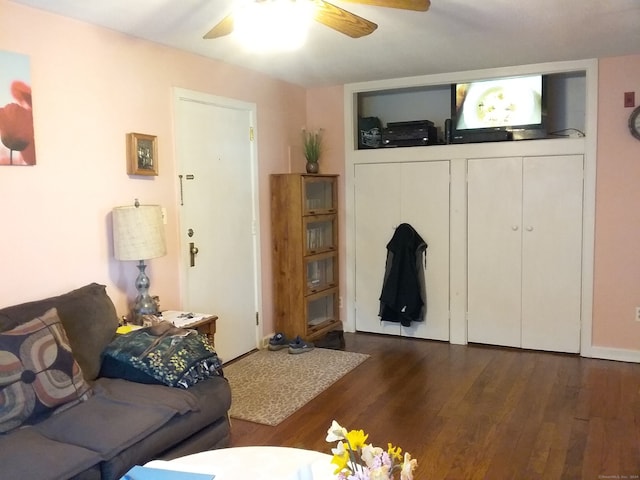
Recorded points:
(333, 17)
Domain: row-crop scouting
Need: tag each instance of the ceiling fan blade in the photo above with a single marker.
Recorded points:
(418, 5)
(341, 20)
(224, 27)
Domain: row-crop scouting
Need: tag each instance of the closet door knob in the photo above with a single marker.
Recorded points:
(514, 228)
(529, 229)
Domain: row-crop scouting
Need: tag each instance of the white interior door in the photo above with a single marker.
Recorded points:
(494, 217)
(377, 213)
(552, 253)
(425, 205)
(216, 162)
(387, 195)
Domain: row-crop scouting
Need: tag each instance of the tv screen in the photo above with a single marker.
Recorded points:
(498, 104)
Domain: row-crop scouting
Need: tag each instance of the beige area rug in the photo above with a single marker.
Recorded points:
(267, 387)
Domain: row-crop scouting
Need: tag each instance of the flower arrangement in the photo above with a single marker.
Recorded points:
(312, 144)
(357, 460)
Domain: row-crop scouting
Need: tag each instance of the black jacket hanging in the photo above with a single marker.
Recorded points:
(403, 297)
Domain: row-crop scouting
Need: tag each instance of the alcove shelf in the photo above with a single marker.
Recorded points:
(429, 98)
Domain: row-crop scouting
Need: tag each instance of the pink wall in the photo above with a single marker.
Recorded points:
(617, 240)
(325, 109)
(91, 86)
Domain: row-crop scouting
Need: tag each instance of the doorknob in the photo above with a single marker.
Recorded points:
(193, 251)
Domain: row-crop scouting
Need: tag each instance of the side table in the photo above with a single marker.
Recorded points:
(204, 323)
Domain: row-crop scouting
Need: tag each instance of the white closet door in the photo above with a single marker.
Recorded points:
(552, 253)
(385, 196)
(494, 196)
(425, 205)
(377, 213)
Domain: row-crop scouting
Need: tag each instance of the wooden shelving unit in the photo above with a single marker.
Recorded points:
(304, 226)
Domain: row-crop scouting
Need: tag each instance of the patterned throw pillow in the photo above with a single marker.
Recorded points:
(38, 373)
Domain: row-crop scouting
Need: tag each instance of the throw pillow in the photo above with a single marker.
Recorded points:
(88, 316)
(38, 373)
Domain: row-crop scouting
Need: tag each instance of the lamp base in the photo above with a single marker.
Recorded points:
(144, 303)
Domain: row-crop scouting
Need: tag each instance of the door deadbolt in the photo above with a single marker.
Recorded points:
(190, 233)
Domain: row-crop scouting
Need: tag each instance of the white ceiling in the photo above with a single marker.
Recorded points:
(454, 35)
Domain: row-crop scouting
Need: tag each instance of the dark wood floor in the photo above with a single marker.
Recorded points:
(468, 412)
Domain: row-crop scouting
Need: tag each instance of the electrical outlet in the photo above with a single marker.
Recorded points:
(637, 314)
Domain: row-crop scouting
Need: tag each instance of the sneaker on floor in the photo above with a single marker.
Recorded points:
(278, 342)
(298, 345)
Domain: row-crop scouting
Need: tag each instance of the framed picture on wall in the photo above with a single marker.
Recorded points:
(17, 144)
(142, 154)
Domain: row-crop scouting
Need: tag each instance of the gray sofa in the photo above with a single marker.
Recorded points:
(69, 422)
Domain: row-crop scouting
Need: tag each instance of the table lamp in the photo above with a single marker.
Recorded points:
(138, 234)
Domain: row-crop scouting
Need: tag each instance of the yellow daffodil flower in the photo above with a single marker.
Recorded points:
(340, 459)
(340, 449)
(408, 467)
(394, 452)
(336, 432)
(353, 456)
(356, 439)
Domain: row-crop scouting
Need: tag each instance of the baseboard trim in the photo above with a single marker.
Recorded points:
(617, 354)
(264, 341)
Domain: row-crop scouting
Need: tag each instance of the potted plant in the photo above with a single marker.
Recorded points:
(312, 148)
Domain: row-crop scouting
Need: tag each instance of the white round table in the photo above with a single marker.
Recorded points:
(256, 463)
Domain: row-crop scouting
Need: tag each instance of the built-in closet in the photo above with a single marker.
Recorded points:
(509, 225)
(525, 251)
(387, 195)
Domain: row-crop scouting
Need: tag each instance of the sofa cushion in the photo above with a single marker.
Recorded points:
(38, 372)
(117, 416)
(89, 318)
(204, 428)
(27, 454)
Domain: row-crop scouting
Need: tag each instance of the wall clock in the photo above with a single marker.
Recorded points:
(634, 123)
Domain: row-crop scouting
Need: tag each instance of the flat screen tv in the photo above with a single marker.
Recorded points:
(498, 109)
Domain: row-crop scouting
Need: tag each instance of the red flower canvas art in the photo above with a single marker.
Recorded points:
(17, 144)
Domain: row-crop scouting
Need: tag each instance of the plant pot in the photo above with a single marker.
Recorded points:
(312, 167)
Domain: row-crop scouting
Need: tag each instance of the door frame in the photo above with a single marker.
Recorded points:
(182, 94)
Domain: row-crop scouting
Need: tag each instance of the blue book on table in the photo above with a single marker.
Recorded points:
(148, 473)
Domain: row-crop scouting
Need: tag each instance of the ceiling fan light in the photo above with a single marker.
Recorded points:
(273, 25)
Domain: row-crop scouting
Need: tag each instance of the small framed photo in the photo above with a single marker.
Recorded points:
(142, 154)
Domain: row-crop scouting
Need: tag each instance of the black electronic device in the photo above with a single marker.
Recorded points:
(447, 131)
(409, 134)
(411, 124)
(498, 109)
(481, 137)
(369, 129)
